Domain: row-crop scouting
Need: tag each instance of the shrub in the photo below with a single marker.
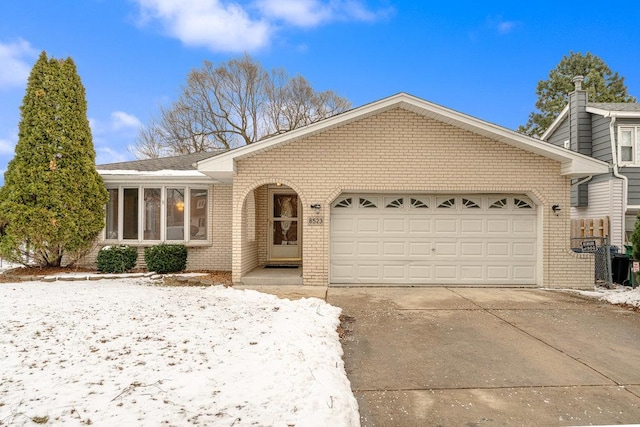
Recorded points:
(117, 259)
(164, 258)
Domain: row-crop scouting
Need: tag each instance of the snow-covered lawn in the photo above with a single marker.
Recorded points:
(130, 352)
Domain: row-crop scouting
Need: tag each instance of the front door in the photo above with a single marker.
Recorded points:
(284, 227)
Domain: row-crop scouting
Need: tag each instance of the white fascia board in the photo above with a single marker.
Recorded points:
(616, 114)
(583, 166)
(556, 123)
(164, 176)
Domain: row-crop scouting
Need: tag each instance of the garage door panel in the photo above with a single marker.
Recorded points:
(419, 249)
(368, 272)
(393, 249)
(393, 225)
(367, 225)
(419, 225)
(524, 249)
(498, 272)
(497, 225)
(342, 224)
(446, 226)
(471, 272)
(419, 273)
(472, 249)
(471, 226)
(368, 248)
(445, 272)
(524, 226)
(523, 272)
(344, 248)
(494, 243)
(497, 249)
(395, 273)
(445, 249)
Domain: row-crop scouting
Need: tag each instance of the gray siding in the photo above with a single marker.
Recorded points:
(580, 123)
(580, 195)
(560, 135)
(601, 148)
(633, 174)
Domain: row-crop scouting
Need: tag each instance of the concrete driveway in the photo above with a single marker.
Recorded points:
(478, 356)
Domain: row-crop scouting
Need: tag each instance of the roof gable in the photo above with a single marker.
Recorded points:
(222, 167)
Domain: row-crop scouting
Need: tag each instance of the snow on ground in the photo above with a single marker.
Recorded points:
(620, 295)
(129, 352)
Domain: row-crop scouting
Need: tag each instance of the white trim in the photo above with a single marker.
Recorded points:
(610, 113)
(556, 123)
(222, 167)
(140, 187)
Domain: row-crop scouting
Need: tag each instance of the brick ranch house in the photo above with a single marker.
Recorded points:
(400, 191)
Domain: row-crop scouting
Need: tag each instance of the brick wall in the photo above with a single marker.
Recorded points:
(401, 151)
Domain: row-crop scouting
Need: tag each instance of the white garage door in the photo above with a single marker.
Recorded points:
(433, 239)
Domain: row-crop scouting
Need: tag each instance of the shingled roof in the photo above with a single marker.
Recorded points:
(182, 162)
(615, 106)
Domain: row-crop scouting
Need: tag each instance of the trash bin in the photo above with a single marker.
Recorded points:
(620, 268)
(632, 276)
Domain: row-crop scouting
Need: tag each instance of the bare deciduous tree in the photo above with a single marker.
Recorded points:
(233, 104)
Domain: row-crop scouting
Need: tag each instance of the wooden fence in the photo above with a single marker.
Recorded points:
(590, 227)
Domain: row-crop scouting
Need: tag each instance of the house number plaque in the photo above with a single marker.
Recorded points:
(316, 220)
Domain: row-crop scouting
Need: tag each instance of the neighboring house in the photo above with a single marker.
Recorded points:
(609, 132)
(400, 191)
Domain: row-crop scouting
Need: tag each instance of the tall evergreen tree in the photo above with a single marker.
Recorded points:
(602, 84)
(51, 204)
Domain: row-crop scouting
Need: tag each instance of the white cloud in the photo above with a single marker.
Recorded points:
(505, 27)
(16, 60)
(121, 120)
(223, 25)
(501, 25)
(106, 155)
(300, 13)
(118, 122)
(209, 23)
(7, 146)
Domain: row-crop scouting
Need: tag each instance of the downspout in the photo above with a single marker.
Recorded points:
(616, 173)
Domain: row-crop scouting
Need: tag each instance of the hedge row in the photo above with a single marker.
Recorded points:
(161, 258)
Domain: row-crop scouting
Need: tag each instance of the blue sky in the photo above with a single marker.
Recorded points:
(481, 58)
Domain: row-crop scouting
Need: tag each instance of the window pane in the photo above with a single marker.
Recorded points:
(626, 154)
(198, 217)
(130, 214)
(112, 214)
(175, 214)
(151, 214)
(635, 145)
(625, 137)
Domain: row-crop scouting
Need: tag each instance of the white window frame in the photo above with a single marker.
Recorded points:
(163, 215)
(635, 140)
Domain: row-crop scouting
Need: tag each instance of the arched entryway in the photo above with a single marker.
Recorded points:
(271, 237)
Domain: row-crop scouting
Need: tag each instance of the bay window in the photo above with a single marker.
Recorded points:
(157, 214)
(628, 139)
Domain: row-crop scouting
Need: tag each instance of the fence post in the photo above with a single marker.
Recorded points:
(607, 251)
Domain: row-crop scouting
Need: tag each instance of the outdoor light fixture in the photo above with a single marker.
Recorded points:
(316, 208)
(556, 209)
